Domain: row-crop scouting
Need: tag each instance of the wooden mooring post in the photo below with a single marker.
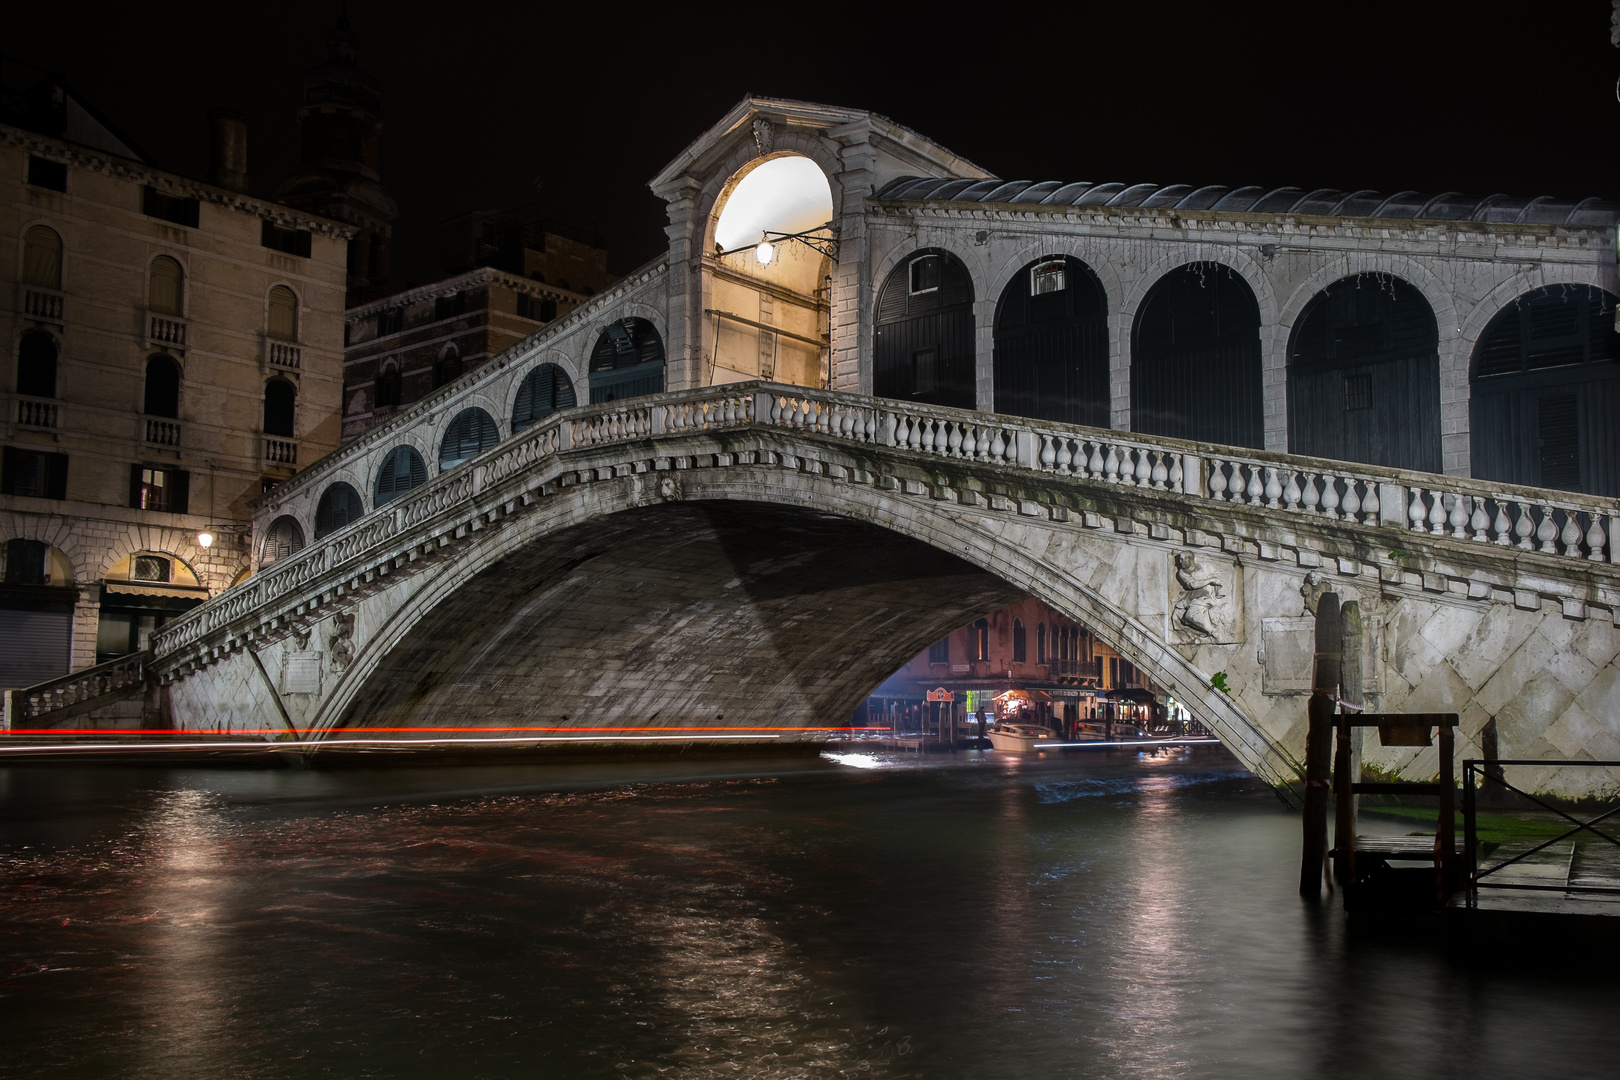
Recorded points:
(1347, 745)
(1319, 746)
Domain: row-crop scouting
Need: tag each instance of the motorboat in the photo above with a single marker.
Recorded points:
(1021, 738)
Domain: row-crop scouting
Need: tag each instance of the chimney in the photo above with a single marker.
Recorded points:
(229, 167)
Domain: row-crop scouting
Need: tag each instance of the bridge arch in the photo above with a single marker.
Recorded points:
(925, 345)
(581, 559)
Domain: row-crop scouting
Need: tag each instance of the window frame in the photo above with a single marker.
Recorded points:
(917, 264)
(1047, 269)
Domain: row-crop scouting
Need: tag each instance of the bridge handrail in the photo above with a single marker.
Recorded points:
(77, 687)
(1562, 525)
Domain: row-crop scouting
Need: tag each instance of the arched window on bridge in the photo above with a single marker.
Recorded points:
(401, 470)
(1040, 643)
(628, 361)
(1019, 650)
(284, 537)
(981, 639)
(923, 349)
(1364, 375)
(1051, 344)
(339, 505)
(1544, 390)
(1195, 358)
(468, 435)
(545, 390)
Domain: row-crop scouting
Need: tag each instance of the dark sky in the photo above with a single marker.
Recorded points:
(484, 100)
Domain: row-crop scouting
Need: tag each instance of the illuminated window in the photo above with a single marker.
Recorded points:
(981, 640)
(1048, 277)
(158, 488)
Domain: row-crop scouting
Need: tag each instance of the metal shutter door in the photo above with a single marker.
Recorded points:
(34, 646)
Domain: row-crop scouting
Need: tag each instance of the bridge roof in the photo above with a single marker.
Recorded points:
(1322, 202)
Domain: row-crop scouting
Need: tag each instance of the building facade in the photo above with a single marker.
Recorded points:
(174, 349)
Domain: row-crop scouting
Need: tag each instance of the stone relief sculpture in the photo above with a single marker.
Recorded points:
(1312, 589)
(764, 135)
(340, 642)
(1199, 609)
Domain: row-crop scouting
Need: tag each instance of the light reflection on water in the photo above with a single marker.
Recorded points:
(980, 915)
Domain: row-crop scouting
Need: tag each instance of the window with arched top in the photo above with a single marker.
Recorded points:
(471, 433)
(447, 369)
(42, 258)
(162, 386)
(923, 348)
(401, 470)
(1195, 358)
(280, 401)
(167, 282)
(1364, 375)
(284, 537)
(37, 355)
(387, 388)
(545, 390)
(1051, 344)
(981, 639)
(339, 505)
(1019, 654)
(1544, 390)
(283, 317)
(628, 361)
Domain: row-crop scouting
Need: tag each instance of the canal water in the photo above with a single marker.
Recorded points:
(1085, 914)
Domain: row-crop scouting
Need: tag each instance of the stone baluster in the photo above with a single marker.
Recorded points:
(1094, 463)
(1437, 514)
(1330, 496)
(981, 442)
(1501, 526)
(1160, 472)
(1595, 539)
(1064, 458)
(1144, 468)
(1111, 464)
(1291, 492)
(1459, 517)
(1479, 520)
(1048, 451)
(954, 444)
(1176, 474)
(942, 437)
(1418, 513)
(776, 409)
(1572, 535)
(1310, 499)
(998, 446)
(1370, 506)
(1524, 527)
(1274, 488)
(1547, 531)
(1217, 479)
(1351, 506)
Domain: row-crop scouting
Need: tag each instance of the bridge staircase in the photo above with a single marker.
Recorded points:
(56, 702)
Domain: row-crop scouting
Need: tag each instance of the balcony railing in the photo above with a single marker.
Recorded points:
(167, 330)
(283, 354)
(39, 414)
(163, 432)
(280, 452)
(43, 304)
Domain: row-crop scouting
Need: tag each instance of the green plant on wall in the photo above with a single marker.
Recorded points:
(1218, 682)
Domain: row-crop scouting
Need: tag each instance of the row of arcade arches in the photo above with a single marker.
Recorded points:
(1363, 364)
(628, 361)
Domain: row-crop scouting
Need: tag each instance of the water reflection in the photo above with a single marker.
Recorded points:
(960, 916)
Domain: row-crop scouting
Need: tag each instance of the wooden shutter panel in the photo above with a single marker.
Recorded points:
(1560, 441)
(179, 491)
(56, 477)
(135, 486)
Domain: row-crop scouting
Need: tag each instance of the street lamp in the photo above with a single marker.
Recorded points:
(205, 538)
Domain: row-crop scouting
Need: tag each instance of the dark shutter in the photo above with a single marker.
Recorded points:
(545, 390)
(179, 484)
(34, 646)
(56, 476)
(468, 435)
(339, 505)
(135, 486)
(1558, 421)
(911, 324)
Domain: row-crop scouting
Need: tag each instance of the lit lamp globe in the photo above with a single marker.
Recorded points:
(764, 253)
(205, 538)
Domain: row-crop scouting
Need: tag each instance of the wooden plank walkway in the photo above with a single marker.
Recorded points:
(1575, 865)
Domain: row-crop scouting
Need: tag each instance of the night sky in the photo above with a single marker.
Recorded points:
(496, 104)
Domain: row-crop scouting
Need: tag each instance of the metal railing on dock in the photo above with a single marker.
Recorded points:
(1483, 874)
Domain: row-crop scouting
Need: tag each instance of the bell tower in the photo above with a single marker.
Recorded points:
(341, 125)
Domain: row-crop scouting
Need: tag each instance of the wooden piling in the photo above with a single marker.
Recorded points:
(1347, 749)
(1319, 746)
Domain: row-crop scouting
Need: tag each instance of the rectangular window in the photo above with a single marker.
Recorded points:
(36, 474)
(25, 563)
(925, 274)
(925, 371)
(45, 173)
(940, 651)
(536, 308)
(448, 307)
(390, 322)
(156, 487)
(1357, 392)
(175, 208)
(289, 241)
(1048, 278)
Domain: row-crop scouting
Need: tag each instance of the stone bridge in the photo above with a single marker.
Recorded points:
(752, 559)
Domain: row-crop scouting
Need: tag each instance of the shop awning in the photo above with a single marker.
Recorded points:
(155, 590)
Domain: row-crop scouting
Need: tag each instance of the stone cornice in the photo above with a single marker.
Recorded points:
(487, 372)
(482, 275)
(83, 157)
